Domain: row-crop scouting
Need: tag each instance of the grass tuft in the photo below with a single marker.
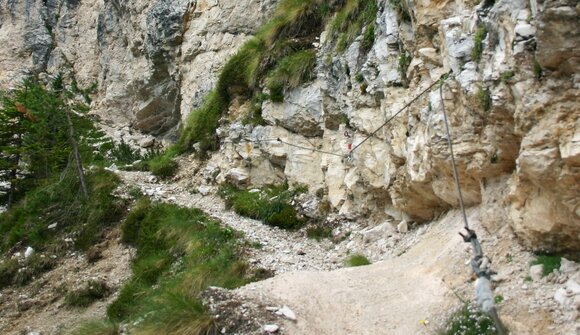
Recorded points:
(318, 233)
(550, 263)
(484, 98)
(97, 327)
(480, 35)
(291, 72)
(92, 291)
(357, 260)
(271, 205)
(349, 22)
(180, 252)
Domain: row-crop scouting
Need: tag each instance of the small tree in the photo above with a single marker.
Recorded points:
(37, 137)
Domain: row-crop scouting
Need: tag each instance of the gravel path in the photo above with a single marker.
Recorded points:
(280, 251)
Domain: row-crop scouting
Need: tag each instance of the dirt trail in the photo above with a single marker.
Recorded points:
(389, 297)
(280, 250)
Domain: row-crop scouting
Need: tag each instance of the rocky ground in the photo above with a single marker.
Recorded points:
(411, 287)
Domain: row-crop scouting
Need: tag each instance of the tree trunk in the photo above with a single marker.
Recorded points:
(77, 155)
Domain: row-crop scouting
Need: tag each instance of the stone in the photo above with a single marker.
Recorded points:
(204, 190)
(403, 227)
(525, 30)
(53, 225)
(270, 329)
(28, 252)
(287, 313)
(537, 272)
(568, 267)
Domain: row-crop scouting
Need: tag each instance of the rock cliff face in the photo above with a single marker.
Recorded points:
(512, 99)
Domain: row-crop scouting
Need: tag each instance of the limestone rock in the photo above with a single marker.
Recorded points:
(536, 271)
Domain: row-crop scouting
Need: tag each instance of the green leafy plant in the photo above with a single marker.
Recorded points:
(357, 260)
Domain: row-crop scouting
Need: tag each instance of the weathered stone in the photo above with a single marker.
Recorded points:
(537, 271)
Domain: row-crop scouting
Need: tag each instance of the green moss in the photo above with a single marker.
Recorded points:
(357, 260)
(480, 35)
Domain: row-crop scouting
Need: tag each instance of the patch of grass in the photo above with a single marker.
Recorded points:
(404, 62)
(123, 153)
(291, 72)
(163, 166)
(401, 10)
(506, 76)
(180, 252)
(349, 22)
(528, 279)
(318, 233)
(483, 97)
(92, 291)
(357, 260)
(550, 263)
(469, 320)
(97, 327)
(34, 266)
(59, 201)
(201, 124)
(359, 78)
(8, 270)
(498, 299)
(480, 35)
(271, 205)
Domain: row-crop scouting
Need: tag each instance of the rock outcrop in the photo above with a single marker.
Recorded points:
(512, 99)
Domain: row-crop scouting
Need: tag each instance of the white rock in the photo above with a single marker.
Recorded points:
(29, 251)
(561, 297)
(525, 30)
(204, 190)
(403, 227)
(271, 328)
(537, 271)
(567, 266)
(287, 313)
(52, 226)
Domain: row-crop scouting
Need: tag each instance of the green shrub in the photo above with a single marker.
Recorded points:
(469, 320)
(484, 98)
(550, 263)
(123, 153)
(357, 260)
(478, 38)
(92, 291)
(271, 205)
